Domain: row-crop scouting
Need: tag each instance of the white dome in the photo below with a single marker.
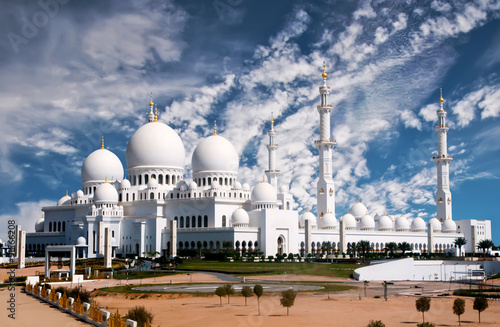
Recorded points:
(237, 185)
(39, 225)
(215, 153)
(215, 184)
(418, 225)
(125, 184)
(246, 187)
(100, 165)
(328, 221)
(105, 193)
(193, 185)
(79, 194)
(435, 224)
(349, 220)
(384, 223)
(358, 210)
(402, 224)
(81, 241)
(376, 217)
(263, 192)
(307, 216)
(152, 183)
(155, 145)
(65, 200)
(240, 217)
(449, 226)
(367, 222)
(283, 189)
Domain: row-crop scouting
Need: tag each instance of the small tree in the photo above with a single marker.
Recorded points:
(485, 245)
(459, 308)
(375, 323)
(404, 246)
(246, 291)
(365, 283)
(229, 291)
(459, 243)
(480, 304)
(199, 245)
(423, 305)
(141, 315)
(220, 292)
(426, 324)
(258, 290)
(287, 299)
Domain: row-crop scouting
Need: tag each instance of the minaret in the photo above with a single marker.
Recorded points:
(326, 188)
(151, 115)
(442, 160)
(272, 174)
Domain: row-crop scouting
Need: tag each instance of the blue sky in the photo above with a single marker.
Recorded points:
(74, 71)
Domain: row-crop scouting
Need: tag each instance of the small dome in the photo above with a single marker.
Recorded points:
(65, 200)
(237, 185)
(358, 210)
(402, 224)
(246, 187)
(39, 225)
(418, 225)
(263, 192)
(105, 193)
(193, 185)
(215, 184)
(182, 185)
(215, 154)
(240, 218)
(81, 241)
(376, 217)
(155, 145)
(307, 216)
(349, 221)
(435, 224)
(385, 223)
(100, 165)
(328, 221)
(79, 194)
(125, 184)
(283, 189)
(152, 183)
(449, 226)
(367, 223)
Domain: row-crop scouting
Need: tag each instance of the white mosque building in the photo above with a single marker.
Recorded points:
(213, 206)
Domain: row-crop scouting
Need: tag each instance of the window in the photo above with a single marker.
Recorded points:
(167, 179)
(140, 179)
(199, 221)
(224, 221)
(160, 179)
(187, 222)
(64, 226)
(193, 222)
(59, 226)
(205, 221)
(50, 227)
(146, 178)
(112, 233)
(181, 224)
(151, 196)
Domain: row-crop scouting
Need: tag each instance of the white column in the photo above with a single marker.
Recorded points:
(107, 248)
(21, 250)
(307, 234)
(173, 238)
(100, 237)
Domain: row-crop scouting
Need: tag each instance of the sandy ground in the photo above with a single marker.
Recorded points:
(310, 309)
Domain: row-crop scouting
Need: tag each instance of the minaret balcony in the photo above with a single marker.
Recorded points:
(324, 87)
(324, 106)
(442, 127)
(443, 157)
(325, 142)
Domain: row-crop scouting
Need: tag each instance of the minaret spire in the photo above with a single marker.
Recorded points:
(272, 173)
(151, 115)
(215, 127)
(442, 160)
(102, 143)
(325, 187)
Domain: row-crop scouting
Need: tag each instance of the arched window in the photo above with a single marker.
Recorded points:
(167, 179)
(205, 221)
(146, 179)
(225, 181)
(181, 224)
(187, 222)
(173, 179)
(127, 197)
(135, 180)
(50, 227)
(193, 245)
(59, 226)
(211, 245)
(199, 221)
(133, 197)
(205, 244)
(181, 245)
(151, 196)
(171, 195)
(224, 221)
(153, 176)
(193, 222)
(220, 181)
(120, 197)
(160, 179)
(140, 179)
(186, 244)
(64, 226)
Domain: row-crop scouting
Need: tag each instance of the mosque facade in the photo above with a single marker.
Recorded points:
(213, 206)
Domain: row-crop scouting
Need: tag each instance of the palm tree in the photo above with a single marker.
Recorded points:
(363, 247)
(227, 245)
(391, 247)
(459, 242)
(485, 245)
(404, 246)
(326, 247)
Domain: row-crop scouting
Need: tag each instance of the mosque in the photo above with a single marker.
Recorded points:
(214, 206)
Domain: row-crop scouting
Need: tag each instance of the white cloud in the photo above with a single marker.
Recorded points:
(365, 10)
(410, 120)
(428, 113)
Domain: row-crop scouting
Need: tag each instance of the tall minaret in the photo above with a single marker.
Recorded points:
(442, 160)
(326, 188)
(151, 115)
(272, 174)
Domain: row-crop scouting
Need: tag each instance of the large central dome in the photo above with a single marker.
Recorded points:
(155, 145)
(215, 153)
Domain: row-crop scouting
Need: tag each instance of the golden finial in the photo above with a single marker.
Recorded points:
(106, 179)
(156, 113)
(272, 119)
(151, 103)
(66, 192)
(263, 178)
(215, 127)
(102, 143)
(441, 100)
(358, 199)
(324, 75)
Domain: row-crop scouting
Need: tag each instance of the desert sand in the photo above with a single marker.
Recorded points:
(310, 309)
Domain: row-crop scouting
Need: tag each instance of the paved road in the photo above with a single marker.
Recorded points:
(210, 288)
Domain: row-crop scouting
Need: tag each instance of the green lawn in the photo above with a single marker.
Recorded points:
(271, 268)
(122, 274)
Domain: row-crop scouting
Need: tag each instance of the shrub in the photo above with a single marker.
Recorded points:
(375, 323)
(423, 305)
(480, 304)
(288, 299)
(426, 324)
(141, 315)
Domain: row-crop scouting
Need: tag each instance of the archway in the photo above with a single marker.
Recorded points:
(281, 245)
